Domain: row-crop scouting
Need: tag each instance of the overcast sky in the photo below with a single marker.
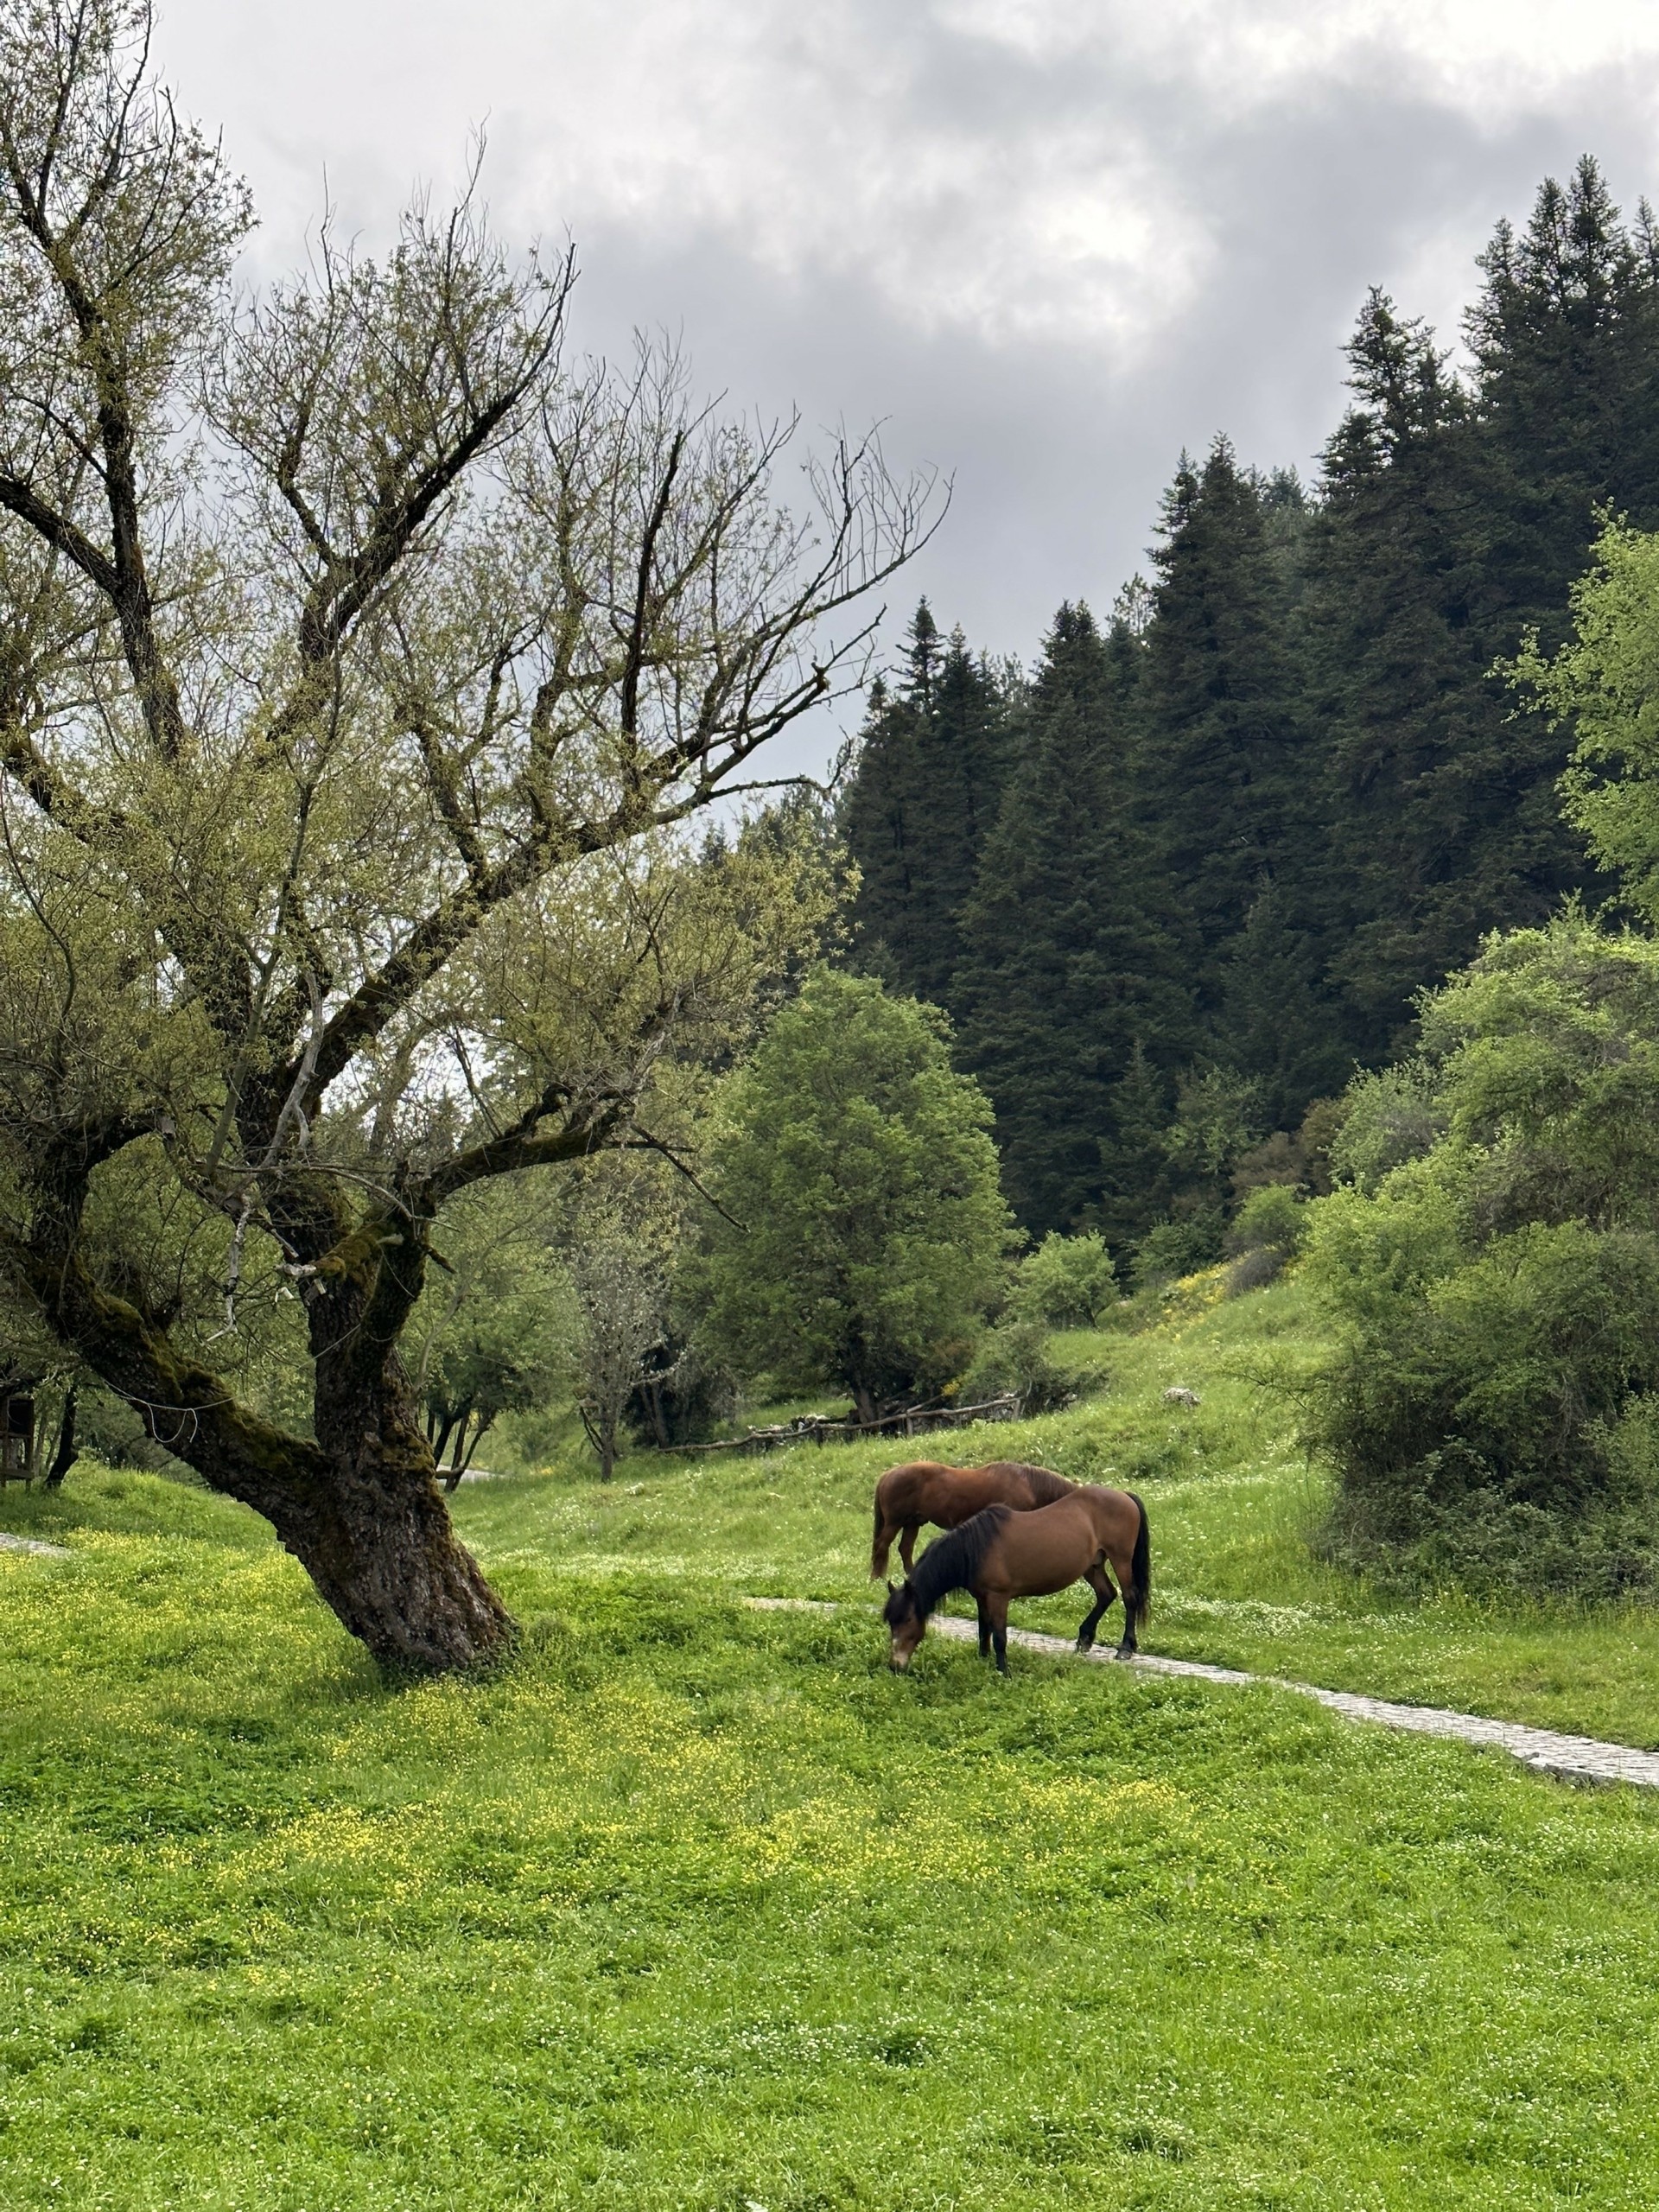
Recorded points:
(1049, 242)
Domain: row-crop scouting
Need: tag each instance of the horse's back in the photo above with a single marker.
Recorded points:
(909, 1485)
(927, 1489)
(1118, 1511)
(1089, 1515)
(1018, 1483)
(1046, 1487)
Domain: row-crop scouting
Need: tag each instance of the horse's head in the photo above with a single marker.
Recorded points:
(906, 1623)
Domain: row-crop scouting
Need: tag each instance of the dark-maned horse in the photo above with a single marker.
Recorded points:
(1000, 1556)
(923, 1489)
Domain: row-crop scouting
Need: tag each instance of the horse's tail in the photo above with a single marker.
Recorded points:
(1141, 1566)
(879, 1549)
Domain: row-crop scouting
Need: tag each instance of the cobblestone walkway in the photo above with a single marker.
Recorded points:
(1567, 1758)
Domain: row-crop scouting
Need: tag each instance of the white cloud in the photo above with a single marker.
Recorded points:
(1482, 54)
(1016, 169)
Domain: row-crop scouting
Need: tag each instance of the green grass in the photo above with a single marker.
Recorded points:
(694, 1906)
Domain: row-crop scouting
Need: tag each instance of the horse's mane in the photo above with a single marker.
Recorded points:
(952, 1562)
(1045, 1487)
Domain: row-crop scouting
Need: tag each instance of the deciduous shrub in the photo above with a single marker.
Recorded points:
(1068, 1281)
(1173, 1249)
(1018, 1357)
(1267, 1230)
(1493, 1404)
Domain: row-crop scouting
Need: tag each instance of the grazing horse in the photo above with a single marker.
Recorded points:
(923, 1489)
(999, 1554)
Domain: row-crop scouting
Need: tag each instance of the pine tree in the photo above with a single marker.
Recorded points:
(1073, 970)
(1225, 776)
(1223, 748)
(1276, 1023)
(1453, 521)
(1566, 340)
(885, 809)
(921, 805)
(1398, 679)
(1137, 1182)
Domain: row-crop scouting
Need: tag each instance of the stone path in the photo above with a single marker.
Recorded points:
(31, 1544)
(1567, 1758)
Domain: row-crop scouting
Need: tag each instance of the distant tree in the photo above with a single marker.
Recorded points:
(1225, 744)
(867, 1232)
(1137, 1180)
(495, 1329)
(884, 812)
(622, 1288)
(1277, 1023)
(1068, 1281)
(923, 798)
(1075, 968)
(1565, 336)
(1443, 818)
(33, 1365)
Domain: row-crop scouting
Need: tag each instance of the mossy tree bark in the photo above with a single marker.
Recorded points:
(358, 1506)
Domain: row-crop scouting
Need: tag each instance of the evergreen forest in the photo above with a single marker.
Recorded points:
(1179, 883)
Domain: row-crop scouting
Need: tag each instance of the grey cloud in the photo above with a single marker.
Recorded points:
(863, 211)
(1060, 448)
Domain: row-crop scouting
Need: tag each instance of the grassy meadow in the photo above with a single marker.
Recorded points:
(697, 1906)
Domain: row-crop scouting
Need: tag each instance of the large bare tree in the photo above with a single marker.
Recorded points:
(354, 639)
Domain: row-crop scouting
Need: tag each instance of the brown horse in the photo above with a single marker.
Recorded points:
(1001, 1555)
(923, 1489)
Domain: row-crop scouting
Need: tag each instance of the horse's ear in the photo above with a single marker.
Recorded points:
(893, 1587)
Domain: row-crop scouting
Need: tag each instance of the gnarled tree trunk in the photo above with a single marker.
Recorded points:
(360, 1508)
(385, 1557)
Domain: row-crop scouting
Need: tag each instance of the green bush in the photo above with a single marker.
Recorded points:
(1387, 1118)
(1017, 1356)
(1068, 1281)
(1272, 1218)
(1488, 1406)
(1267, 1230)
(1173, 1249)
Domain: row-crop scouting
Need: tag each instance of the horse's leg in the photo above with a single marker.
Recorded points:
(998, 1609)
(1122, 1564)
(907, 1544)
(984, 1627)
(1105, 1597)
(886, 1530)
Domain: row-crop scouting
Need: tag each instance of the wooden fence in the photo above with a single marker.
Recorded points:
(817, 1428)
(17, 1437)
